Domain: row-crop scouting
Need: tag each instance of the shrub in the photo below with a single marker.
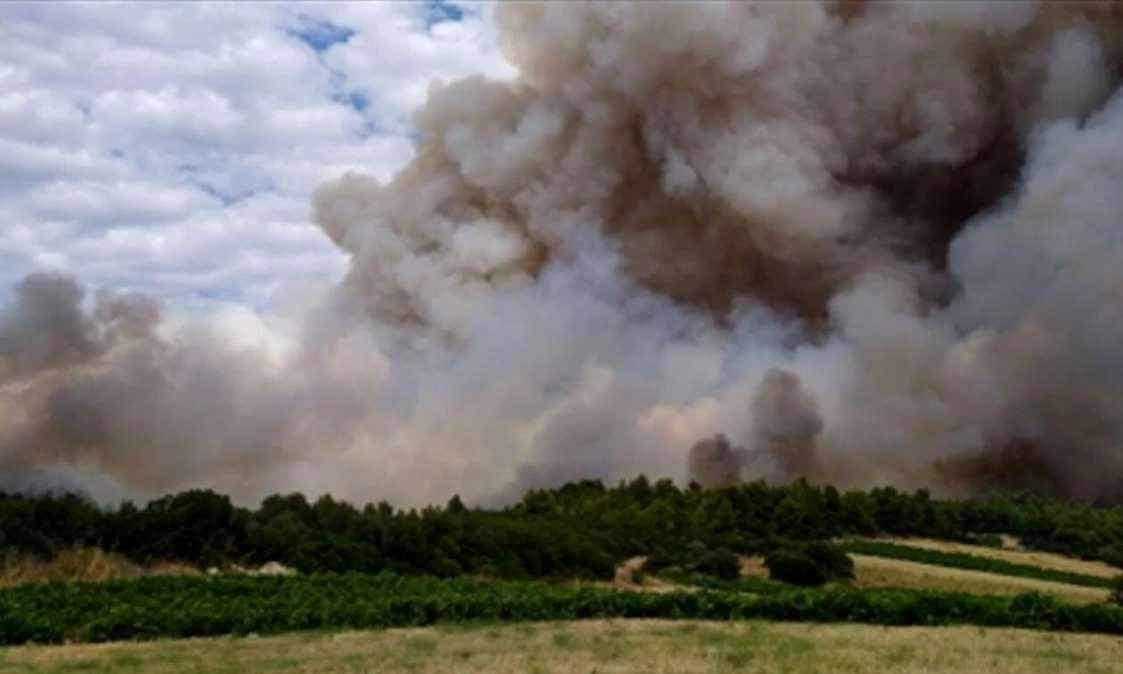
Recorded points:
(1116, 596)
(658, 561)
(597, 564)
(1112, 555)
(833, 560)
(793, 566)
(985, 540)
(445, 567)
(720, 563)
(695, 549)
(328, 553)
(510, 567)
(809, 565)
(695, 558)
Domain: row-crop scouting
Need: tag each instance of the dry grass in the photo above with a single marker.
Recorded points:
(94, 565)
(1045, 560)
(89, 564)
(882, 572)
(171, 569)
(626, 570)
(607, 647)
(753, 567)
(625, 580)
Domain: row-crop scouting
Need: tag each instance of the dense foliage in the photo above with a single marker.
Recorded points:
(964, 561)
(985, 540)
(750, 584)
(809, 564)
(578, 530)
(720, 563)
(792, 566)
(182, 607)
(695, 559)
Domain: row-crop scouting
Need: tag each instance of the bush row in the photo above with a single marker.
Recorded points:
(972, 562)
(744, 584)
(191, 607)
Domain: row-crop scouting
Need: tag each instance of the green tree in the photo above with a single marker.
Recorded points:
(715, 515)
(801, 514)
(197, 526)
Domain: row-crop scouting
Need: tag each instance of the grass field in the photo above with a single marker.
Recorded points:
(605, 647)
(881, 572)
(870, 571)
(1045, 560)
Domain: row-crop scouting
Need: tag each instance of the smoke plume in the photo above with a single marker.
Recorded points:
(713, 462)
(857, 242)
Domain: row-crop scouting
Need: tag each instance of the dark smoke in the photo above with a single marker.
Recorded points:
(714, 462)
(858, 242)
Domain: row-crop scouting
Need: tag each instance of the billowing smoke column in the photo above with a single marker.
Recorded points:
(857, 242)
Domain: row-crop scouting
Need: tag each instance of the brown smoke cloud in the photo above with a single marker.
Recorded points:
(859, 242)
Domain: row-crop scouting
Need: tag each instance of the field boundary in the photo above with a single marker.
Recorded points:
(959, 560)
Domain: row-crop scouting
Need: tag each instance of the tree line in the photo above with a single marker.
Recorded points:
(581, 529)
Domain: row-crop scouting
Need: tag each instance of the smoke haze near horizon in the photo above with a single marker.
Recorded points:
(863, 243)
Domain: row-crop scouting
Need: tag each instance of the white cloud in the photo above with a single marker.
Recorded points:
(23, 163)
(174, 147)
(392, 59)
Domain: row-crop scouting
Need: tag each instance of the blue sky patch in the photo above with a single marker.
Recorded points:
(227, 198)
(228, 189)
(355, 99)
(216, 294)
(439, 11)
(321, 35)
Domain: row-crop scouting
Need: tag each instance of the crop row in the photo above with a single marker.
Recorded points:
(971, 562)
(188, 607)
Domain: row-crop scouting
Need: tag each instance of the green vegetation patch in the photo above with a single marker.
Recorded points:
(150, 608)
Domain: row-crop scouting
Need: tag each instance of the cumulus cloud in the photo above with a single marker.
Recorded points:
(204, 127)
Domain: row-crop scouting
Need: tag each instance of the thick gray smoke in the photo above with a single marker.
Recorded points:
(713, 462)
(859, 242)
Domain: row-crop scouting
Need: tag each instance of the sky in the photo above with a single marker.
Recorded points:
(173, 148)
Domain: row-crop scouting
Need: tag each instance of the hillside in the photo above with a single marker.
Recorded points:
(566, 580)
